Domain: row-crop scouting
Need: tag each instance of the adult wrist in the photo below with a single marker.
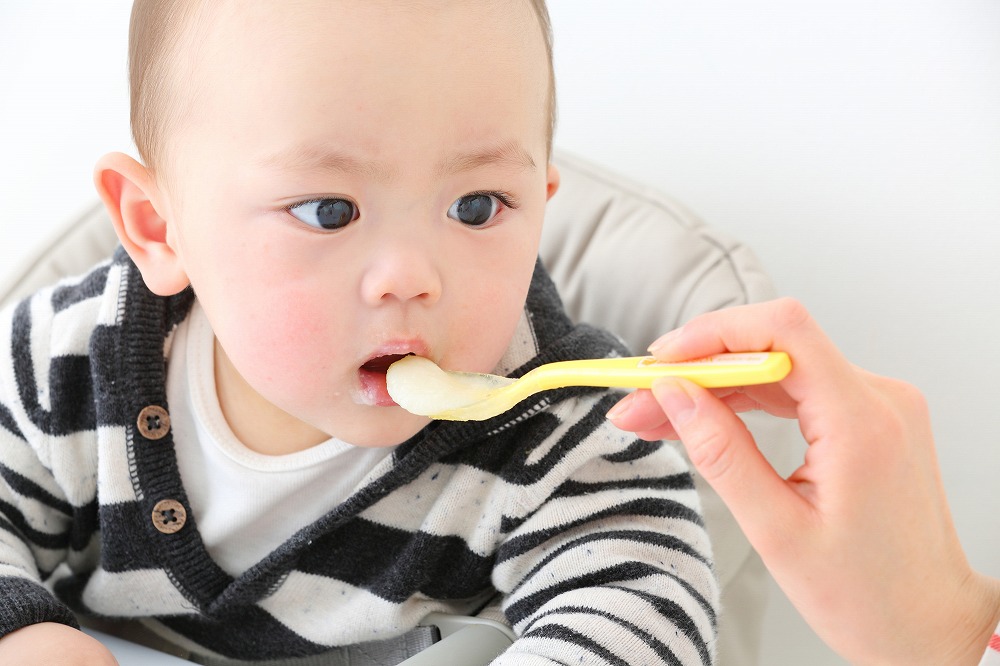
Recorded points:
(974, 621)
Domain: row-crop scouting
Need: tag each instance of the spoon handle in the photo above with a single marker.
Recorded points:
(733, 369)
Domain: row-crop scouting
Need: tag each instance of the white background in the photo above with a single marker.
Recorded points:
(854, 144)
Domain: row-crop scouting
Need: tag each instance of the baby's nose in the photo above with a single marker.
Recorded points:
(402, 271)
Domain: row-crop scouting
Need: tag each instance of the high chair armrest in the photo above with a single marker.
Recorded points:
(465, 641)
(132, 654)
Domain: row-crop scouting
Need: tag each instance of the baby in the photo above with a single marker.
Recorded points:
(196, 437)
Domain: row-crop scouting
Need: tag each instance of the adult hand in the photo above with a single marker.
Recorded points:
(52, 644)
(859, 536)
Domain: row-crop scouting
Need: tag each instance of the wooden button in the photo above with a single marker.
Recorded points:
(169, 516)
(153, 422)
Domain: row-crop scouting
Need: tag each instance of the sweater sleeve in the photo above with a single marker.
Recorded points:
(614, 565)
(36, 515)
(34, 534)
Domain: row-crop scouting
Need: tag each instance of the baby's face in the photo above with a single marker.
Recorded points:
(358, 180)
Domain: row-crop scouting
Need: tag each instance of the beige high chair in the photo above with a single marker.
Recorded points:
(677, 268)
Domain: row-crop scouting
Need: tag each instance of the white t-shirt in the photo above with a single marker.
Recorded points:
(247, 504)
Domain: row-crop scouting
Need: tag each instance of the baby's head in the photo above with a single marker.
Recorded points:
(340, 181)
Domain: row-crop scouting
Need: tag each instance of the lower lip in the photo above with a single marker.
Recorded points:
(373, 389)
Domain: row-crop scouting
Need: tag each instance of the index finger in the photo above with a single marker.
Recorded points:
(819, 371)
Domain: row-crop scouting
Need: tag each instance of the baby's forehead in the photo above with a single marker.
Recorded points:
(253, 19)
(228, 41)
(278, 54)
(212, 31)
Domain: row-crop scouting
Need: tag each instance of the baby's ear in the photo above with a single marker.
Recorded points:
(551, 181)
(134, 202)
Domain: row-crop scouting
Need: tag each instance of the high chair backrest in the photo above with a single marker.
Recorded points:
(625, 258)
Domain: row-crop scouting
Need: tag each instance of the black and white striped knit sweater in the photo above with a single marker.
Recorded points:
(589, 541)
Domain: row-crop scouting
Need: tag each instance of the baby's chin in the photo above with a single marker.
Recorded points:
(376, 427)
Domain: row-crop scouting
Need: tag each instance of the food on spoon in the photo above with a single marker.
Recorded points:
(419, 386)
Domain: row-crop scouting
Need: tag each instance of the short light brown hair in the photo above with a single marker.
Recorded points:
(155, 30)
(542, 12)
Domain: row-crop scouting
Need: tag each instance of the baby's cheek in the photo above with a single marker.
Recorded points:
(291, 349)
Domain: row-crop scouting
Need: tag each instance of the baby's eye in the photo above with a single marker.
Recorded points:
(474, 210)
(326, 214)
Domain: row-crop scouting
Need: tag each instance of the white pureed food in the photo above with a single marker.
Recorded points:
(419, 386)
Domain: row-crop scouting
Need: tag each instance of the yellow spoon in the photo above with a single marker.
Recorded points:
(419, 386)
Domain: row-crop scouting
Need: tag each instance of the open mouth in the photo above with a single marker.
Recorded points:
(371, 376)
(381, 363)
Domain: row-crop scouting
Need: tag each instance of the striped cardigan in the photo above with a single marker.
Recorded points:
(588, 541)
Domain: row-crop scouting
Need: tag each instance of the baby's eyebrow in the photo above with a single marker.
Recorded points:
(508, 153)
(316, 158)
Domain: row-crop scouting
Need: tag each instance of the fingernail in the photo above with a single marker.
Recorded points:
(620, 408)
(676, 402)
(662, 343)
